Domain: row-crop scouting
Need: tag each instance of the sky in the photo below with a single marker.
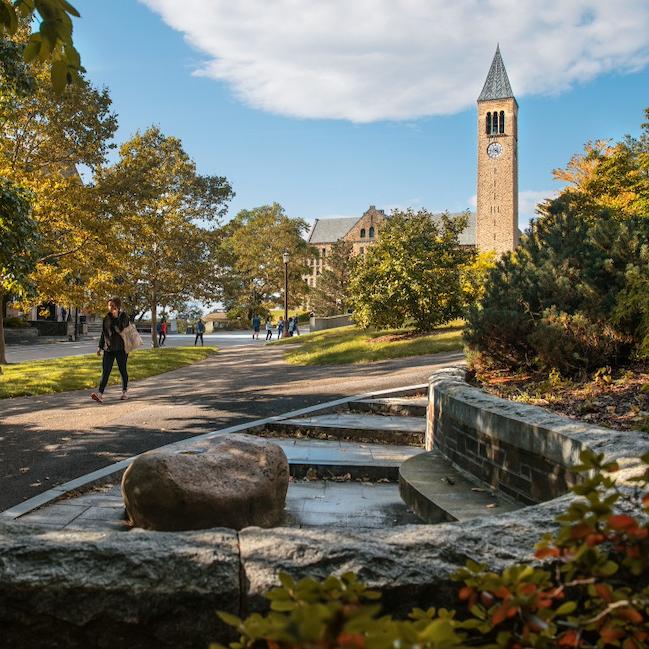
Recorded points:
(328, 107)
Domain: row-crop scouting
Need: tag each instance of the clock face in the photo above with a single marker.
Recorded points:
(494, 150)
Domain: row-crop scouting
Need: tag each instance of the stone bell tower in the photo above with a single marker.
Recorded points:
(497, 213)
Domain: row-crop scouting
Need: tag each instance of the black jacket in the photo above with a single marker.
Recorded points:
(110, 340)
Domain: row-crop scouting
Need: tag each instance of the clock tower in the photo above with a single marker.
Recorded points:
(497, 213)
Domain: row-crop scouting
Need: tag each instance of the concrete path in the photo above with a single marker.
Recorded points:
(309, 502)
(53, 347)
(349, 504)
(51, 439)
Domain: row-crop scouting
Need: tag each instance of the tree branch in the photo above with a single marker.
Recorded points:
(58, 255)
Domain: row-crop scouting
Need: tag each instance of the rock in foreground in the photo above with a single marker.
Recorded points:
(232, 481)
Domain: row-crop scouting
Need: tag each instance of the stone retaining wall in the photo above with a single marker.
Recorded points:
(521, 450)
(329, 322)
(141, 589)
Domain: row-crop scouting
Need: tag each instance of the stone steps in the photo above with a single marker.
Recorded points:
(359, 428)
(330, 459)
(414, 407)
(437, 492)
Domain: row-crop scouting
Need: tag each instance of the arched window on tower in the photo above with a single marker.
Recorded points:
(494, 123)
(502, 121)
(371, 232)
(488, 123)
(362, 233)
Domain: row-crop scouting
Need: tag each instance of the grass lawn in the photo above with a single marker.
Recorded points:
(84, 372)
(354, 345)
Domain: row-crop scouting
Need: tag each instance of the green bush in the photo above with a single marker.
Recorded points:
(413, 275)
(15, 323)
(564, 298)
(590, 589)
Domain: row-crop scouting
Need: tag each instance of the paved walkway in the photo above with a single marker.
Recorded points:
(309, 502)
(55, 347)
(51, 439)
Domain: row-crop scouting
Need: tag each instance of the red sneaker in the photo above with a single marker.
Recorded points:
(97, 397)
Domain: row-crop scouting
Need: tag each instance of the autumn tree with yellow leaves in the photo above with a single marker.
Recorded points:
(164, 220)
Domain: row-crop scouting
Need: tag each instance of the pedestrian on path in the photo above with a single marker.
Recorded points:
(280, 328)
(296, 331)
(200, 330)
(291, 326)
(111, 344)
(269, 329)
(161, 329)
(256, 325)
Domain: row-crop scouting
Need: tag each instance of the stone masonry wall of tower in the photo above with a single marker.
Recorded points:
(497, 204)
(497, 186)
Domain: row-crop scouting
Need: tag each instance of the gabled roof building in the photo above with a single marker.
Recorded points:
(361, 232)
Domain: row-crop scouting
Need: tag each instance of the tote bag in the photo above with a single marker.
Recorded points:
(131, 337)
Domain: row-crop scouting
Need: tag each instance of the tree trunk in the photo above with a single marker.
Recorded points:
(3, 356)
(154, 323)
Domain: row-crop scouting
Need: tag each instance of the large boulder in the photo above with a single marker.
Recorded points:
(230, 481)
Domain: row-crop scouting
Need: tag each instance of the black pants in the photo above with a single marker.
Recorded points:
(109, 358)
(161, 338)
(269, 334)
(197, 337)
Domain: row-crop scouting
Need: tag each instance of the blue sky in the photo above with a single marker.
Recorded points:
(327, 112)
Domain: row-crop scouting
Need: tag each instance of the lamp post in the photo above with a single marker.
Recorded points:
(286, 257)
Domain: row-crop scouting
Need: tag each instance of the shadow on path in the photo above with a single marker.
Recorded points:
(50, 439)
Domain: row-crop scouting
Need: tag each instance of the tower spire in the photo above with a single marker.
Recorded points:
(497, 84)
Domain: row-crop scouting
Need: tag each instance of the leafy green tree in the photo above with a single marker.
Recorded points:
(52, 42)
(251, 266)
(19, 249)
(46, 138)
(475, 275)
(331, 295)
(612, 176)
(412, 274)
(165, 218)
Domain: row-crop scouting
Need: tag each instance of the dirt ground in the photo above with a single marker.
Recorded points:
(616, 399)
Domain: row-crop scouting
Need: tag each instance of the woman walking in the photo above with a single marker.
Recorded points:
(111, 344)
(269, 329)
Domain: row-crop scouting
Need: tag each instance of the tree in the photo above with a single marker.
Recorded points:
(45, 138)
(165, 217)
(331, 295)
(612, 176)
(475, 275)
(19, 250)
(52, 42)
(412, 274)
(251, 266)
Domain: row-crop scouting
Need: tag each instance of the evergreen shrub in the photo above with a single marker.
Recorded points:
(571, 297)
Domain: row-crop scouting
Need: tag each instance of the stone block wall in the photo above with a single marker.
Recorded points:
(521, 450)
(330, 322)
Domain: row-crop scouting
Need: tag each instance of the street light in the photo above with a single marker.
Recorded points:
(286, 257)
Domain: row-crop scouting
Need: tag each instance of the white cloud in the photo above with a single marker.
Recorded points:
(528, 200)
(370, 60)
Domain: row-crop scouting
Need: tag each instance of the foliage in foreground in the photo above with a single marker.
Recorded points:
(413, 274)
(352, 345)
(83, 372)
(53, 40)
(590, 590)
